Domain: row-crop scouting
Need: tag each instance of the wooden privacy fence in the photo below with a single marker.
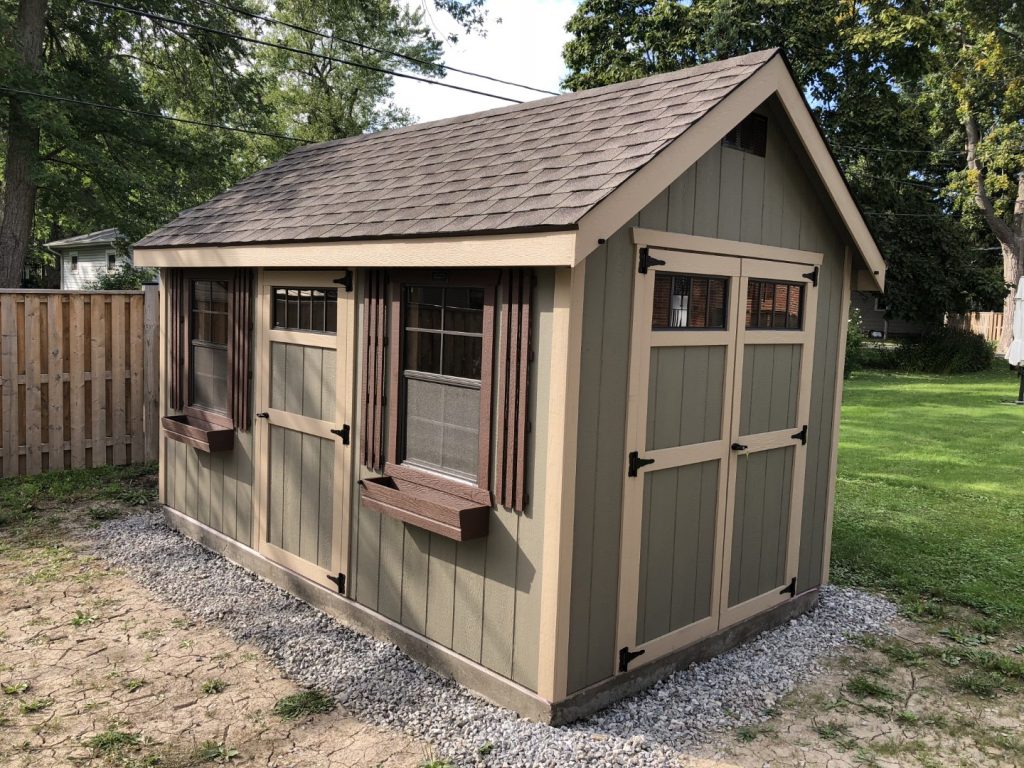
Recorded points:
(988, 324)
(78, 379)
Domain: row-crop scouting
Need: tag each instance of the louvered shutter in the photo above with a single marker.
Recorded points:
(240, 347)
(513, 397)
(375, 327)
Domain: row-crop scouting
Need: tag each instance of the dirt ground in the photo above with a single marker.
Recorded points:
(97, 671)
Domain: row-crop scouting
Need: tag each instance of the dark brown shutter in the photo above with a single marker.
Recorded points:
(513, 397)
(175, 342)
(240, 347)
(374, 356)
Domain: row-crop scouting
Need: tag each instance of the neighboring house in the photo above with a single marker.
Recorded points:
(546, 395)
(84, 258)
(874, 322)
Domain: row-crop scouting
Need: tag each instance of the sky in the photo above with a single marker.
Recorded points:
(526, 47)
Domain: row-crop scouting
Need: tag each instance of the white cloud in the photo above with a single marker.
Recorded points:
(526, 47)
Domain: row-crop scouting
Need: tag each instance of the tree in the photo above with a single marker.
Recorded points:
(71, 169)
(862, 64)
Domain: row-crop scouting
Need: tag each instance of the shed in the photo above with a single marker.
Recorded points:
(82, 259)
(547, 395)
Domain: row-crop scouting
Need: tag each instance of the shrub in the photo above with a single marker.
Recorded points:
(947, 350)
(125, 277)
(855, 338)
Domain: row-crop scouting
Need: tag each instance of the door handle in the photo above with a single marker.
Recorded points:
(263, 415)
(739, 447)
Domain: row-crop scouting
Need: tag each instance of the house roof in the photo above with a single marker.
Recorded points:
(537, 166)
(100, 237)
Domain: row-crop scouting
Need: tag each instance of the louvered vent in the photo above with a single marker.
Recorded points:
(749, 136)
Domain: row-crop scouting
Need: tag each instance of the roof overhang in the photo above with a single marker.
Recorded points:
(773, 78)
(536, 249)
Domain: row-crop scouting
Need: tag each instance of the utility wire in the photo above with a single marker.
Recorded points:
(290, 49)
(364, 46)
(140, 113)
(902, 151)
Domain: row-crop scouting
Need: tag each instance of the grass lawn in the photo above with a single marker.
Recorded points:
(930, 495)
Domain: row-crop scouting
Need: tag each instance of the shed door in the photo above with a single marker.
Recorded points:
(303, 409)
(711, 530)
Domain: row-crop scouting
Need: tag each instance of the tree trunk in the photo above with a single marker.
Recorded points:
(22, 150)
(1011, 274)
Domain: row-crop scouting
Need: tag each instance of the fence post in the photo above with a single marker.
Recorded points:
(151, 370)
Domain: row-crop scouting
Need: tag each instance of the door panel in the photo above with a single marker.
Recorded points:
(719, 392)
(303, 400)
(677, 578)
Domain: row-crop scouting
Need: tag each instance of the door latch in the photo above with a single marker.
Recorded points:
(343, 433)
(738, 447)
(635, 463)
(262, 415)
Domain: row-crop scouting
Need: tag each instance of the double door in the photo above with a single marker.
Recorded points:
(719, 395)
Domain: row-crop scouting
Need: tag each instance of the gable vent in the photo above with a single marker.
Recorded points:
(749, 136)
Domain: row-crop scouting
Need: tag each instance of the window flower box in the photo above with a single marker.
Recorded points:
(433, 510)
(198, 433)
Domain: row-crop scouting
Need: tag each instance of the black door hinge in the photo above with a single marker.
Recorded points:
(346, 281)
(339, 580)
(812, 276)
(791, 589)
(801, 436)
(343, 433)
(635, 462)
(626, 656)
(647, 261)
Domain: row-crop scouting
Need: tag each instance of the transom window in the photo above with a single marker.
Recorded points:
(443, 345)
(773, 305)
(306, 309)
(208, 342)
(689, 302)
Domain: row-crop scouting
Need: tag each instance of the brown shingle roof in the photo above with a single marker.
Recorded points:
(538, 165)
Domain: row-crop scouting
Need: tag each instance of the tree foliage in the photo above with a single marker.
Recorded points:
(99, 168)
(877, 74)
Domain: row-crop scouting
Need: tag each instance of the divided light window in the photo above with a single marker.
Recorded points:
(443, 341)
(689, 302)
(208, 344)
(773, 305)
(306, 309)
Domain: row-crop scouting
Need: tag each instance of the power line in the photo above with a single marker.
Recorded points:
(364, 46)
(140, 113)
(902, 151)
(290, 49)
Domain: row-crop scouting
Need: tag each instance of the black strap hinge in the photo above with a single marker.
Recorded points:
(346, 281)
(791, 589)
(635, 463)
(647, 261)
(801, 436)
(343, 433)
(339, 580)
(626, 656)
(812, 276)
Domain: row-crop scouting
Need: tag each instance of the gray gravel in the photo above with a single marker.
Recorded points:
(377, 682)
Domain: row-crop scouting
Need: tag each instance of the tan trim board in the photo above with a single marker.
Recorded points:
(536, 250)
(773, 78)
(837, 407)
(560, 485)
(162, 390)
(655, 238)
(303, 338)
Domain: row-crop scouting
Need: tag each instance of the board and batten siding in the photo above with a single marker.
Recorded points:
(92, 263)
(730, 195)
(480, 598)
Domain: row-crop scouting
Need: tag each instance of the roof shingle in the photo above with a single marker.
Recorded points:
(542, 164)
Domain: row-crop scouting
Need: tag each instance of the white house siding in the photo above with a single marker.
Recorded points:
(92, 263)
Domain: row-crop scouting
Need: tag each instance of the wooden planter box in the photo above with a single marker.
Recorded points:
(436, 511)
(198, 433)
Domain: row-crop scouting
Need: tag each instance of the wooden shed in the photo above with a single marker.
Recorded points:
(546, 395)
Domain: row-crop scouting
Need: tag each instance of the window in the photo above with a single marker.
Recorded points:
(74, 262)
(749, 136)
(773, 305)
(306, 309)
(111, 260)
(689, 301)
(208, 344)
(443, 323)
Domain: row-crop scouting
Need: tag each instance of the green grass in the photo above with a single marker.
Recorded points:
(112, 741)
(311, 702)
(930, 498)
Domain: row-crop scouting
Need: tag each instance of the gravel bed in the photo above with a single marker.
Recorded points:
(377, 682)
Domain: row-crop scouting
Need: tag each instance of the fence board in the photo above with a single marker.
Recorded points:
(75, 369)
